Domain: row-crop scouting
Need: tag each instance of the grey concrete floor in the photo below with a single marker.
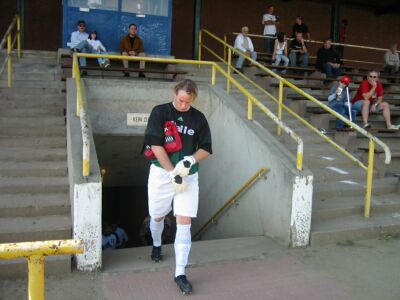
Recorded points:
(242, 268)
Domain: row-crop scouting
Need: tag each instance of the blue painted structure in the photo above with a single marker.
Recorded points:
(112, 25)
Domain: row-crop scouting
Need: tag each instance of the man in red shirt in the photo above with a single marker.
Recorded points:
(369, 100)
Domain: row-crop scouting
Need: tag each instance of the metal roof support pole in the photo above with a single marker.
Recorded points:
(335, 20)
(197, 27)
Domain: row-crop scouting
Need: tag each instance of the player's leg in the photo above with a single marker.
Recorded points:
(160, 194)
(185, 208)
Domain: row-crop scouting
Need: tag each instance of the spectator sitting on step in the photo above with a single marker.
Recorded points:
(369, 100)
(98, 48)
(79, 42)
(299, 26)
(132, 45)
(298, 51)
(339, 101)
(280, 52)
(244, 44)
(392, 61)
(328, 61)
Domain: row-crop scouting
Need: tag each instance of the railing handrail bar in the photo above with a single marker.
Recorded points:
(9, 29)
(230, 202)
(301, 92)
(319, 42)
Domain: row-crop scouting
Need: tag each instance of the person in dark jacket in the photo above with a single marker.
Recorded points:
(132, 45)
(328, 61)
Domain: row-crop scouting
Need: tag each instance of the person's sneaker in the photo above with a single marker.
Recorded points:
(141, 75)
(126, 74)
(107, 65)
(156, 254)
(394, 127)
(367, 125)
(183, 284)
(84, 73)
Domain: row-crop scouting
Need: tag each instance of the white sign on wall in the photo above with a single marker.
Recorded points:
(137, 119)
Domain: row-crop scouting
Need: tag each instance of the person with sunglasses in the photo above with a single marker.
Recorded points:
(369, 100)
(79, 42)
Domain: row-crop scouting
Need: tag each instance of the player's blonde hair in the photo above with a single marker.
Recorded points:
(189, 86)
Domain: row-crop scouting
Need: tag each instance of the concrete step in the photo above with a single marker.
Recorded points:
(27, 205)
(26, 67)
(333, 173)
(32, 112)
(42, 228)
(28, 100)
(35, 84)
(33, 169)
(32, 122)
(335, 207)
(6, 91)
(33, 185)
(29, 154)
(354, 227)
(353, 188)
(18, 268)
(22, 75)
(40, 130)
(34, 142)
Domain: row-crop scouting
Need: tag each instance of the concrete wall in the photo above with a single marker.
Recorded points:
(85, 193)
(278, 207)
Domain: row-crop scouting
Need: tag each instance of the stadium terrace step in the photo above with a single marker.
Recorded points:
(34, 189)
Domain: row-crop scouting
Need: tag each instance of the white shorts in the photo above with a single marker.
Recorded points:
(161, 193)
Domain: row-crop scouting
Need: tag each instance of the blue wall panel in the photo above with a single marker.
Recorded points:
(111, 26)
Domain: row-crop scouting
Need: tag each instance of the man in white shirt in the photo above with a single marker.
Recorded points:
(269, 21)
(79, 41)
(392, 61)
(244, 44)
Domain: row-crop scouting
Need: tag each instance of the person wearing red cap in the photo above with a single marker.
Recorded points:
(369, 100)
(339, 101)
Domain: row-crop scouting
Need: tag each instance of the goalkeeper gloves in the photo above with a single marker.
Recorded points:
(182, 168)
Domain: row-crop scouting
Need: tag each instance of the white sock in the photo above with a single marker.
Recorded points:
(183, 242)
(156, 229)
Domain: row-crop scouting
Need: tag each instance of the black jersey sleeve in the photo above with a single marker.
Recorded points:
(204, 141)
(154, 134)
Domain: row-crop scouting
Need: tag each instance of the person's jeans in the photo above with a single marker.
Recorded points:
(391, 69)
(269, 43)
(331, 72)
(342, 108)
(299, 58)
(278, 59)
(240, 61)
(83, 47)
(100, 60)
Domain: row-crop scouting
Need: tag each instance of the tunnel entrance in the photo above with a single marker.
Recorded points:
(124, 194)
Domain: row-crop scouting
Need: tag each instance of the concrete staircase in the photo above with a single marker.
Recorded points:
(339, 184)
(34, 192)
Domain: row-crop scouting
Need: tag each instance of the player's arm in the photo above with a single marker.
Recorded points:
(162, 157)
(200, 155)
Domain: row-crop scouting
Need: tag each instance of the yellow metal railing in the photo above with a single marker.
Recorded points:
(252, 100)
(282, 83)
(35, 252)
(10, 45)
(230, 202)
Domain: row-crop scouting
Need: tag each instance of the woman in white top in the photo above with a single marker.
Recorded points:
(98, 48)
(280, 52)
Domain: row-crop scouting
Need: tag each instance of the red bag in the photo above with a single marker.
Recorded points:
(173, 142)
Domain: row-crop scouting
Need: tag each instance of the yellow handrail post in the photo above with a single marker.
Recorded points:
(225, 39)
(367, 207)
(19, 35)
(249, 109)
(36, 277)
(74, 64)
(280, 101)
(9, 62)
(213, 74)
(200, 45)
(228, 80)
